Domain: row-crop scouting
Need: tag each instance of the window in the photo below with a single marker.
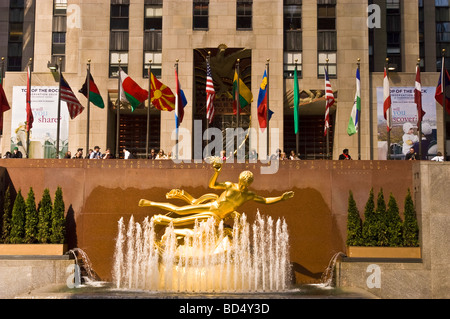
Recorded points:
(200, 15)
(331, 64)
(153, 38)
(326, 37)
(293, 39)
(244, 14)
(153, 18)
(393, 33)
(114, 63)
(119, 37)
(58, 43)
(59, 7)
(119, 17)
(290, 60)
(156, 58)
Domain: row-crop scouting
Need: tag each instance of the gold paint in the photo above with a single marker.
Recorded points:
(220, 207)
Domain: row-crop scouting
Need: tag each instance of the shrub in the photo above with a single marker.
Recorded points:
(393, 224)
(354, 223)
(410, 225)
(6, 229)
(18, 220)
(381, 222)
(370, 224)
(31, 218)
(45, 218)
(58, 234)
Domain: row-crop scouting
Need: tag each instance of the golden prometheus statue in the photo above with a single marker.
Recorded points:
(220, 207)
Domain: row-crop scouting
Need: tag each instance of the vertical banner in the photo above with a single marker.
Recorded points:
(44, 104)
(405, 133)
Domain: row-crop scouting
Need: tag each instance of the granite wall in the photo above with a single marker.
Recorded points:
(97, 193)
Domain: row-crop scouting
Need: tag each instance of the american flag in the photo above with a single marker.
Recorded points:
(74, 106)
(329, 97)
(210, 93)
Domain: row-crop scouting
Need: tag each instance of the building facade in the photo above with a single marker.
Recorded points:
(262, 35)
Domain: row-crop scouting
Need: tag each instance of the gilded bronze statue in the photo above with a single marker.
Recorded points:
(220, 207)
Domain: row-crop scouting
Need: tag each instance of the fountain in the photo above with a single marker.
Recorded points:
(256, 259)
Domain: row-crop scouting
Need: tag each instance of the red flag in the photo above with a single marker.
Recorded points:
(418, 97)
(30, 118)
(387, 101)
(439, 96)
(4, 105)
(330, 101)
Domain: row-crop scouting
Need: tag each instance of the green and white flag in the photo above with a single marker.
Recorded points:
(353, 125)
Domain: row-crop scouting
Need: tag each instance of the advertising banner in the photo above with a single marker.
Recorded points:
(44, 105)
(405, 133)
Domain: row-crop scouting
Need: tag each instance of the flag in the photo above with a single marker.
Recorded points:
(296, 101)
(161, 95)
(4, 105)
(439, 96)
(353, 125)
(130, 91)
(387, 101)
(210, 94)
(73, 105)
(418, 97)
(329, 97)
(245, 95)
(94, 93)
(262, 104)
(30, 118)
(180, 103)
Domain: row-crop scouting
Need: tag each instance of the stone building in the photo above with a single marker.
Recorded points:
(264, 35)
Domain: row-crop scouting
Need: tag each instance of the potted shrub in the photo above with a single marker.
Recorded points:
(34, 231)
(384, 234)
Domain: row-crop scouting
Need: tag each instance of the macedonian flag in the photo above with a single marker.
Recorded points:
(161, 95)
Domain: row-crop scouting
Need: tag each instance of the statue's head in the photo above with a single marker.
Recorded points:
(245, 178)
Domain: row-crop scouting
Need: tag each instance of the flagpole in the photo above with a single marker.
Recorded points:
(444, 102)
(58, 126)
(28, 93)
(148, 109)
(419, 117)
(297, 135)
(267, 108)
(328, 128)
(237, 94)
(389, 117)
(3, 70)
(88, 121)
(177, 102)
(118, 114)
(359, 117)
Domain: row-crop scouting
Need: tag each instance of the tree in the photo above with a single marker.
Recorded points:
(45, 218)
(6, 229)
(410, 225)
(381, 216)
(393, 224)
(18, 220)
(31, 218)
(58, 233)
(354, 223)
(370, 224)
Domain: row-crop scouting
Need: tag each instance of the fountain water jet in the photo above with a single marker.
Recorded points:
(207, 259)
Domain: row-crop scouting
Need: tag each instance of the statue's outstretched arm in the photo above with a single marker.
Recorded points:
(273, 200)
(213, 181)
